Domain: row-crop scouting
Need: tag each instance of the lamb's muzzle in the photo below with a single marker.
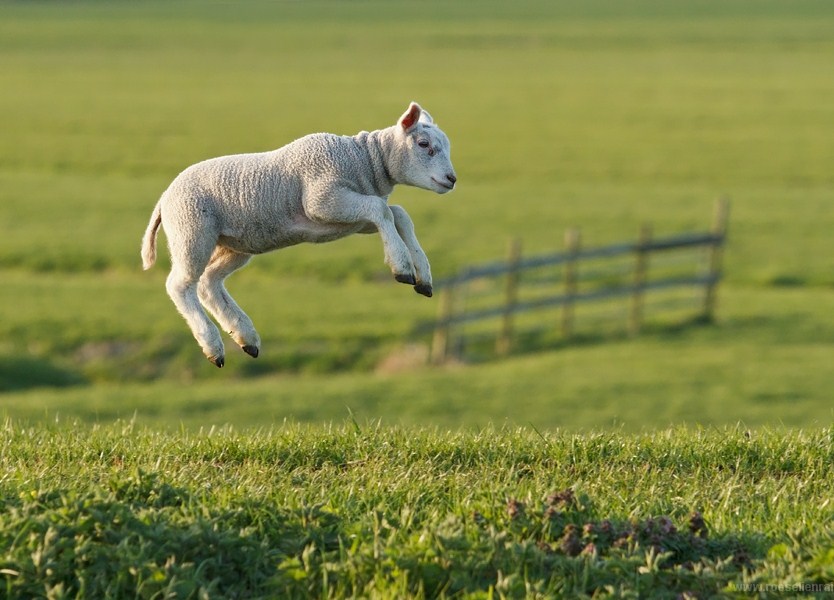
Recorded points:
(449, 183)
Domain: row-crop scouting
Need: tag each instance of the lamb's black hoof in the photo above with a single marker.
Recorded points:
(251, 350)
(218, 361)
(402, 278)
(423, 289)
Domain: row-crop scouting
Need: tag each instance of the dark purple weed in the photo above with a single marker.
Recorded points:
(515, 509)
(697, 525)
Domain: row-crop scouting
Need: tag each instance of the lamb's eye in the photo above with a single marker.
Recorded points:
(423, 143)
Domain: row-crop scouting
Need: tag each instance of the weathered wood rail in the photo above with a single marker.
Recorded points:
(635, 286)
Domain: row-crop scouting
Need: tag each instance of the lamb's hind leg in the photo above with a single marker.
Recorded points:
(182, 288)
(221, 305)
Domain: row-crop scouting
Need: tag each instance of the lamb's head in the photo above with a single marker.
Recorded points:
(423, 152)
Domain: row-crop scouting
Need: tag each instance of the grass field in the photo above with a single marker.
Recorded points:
(131, 466)
(560, 115)
(363, 511)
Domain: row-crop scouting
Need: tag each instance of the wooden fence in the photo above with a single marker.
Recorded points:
(632, 285)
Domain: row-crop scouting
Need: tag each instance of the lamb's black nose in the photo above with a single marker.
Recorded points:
(452, 179)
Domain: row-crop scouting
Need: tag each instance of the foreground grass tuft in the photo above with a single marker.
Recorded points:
(118, 511)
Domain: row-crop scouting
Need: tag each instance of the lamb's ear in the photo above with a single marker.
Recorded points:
(410, 117)
(425, 117)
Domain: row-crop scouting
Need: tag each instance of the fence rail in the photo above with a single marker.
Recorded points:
(639, 283)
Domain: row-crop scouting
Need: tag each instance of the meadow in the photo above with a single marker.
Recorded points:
(384, 512)
(339, 439)
(593, 116)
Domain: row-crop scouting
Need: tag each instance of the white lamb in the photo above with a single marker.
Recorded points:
(319, 188)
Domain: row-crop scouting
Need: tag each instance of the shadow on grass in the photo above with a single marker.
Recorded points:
(481, 347)
(137, 535)
(23, 372)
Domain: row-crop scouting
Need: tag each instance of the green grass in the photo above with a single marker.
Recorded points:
(572, 116)
(598, 115)
(360, 510)
(753, 366)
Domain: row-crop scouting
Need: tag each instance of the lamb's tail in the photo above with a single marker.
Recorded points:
(149, 239)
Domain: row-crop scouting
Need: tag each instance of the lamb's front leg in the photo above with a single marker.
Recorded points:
(350, 208)
(405, 227)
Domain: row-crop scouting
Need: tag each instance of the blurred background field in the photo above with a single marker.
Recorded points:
(600, 115)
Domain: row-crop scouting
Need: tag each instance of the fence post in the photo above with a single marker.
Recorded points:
(716, 254)
(442, 333)
(573, 242)
(503, 344)
(635, 321)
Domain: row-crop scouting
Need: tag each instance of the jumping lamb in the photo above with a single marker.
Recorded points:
(319, 188)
